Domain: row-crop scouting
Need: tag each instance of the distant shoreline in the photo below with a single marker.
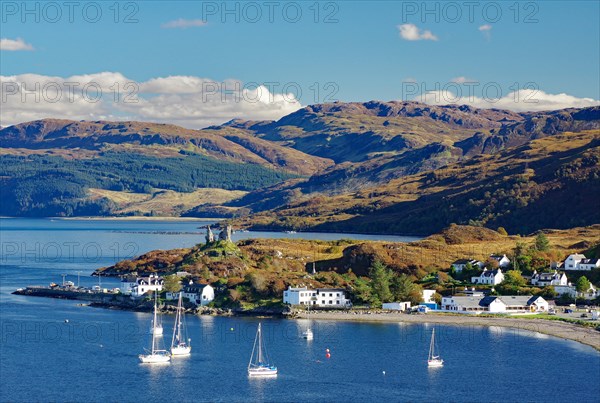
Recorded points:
(128, 218)
(563, 330)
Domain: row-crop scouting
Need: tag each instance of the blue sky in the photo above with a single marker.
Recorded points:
(363, 52)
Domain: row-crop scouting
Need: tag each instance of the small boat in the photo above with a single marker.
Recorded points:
(308, 334)
(259, 365)
(155, 355)
(433, 360)
(179, 344)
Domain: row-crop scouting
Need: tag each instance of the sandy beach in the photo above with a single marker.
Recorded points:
(565, 330)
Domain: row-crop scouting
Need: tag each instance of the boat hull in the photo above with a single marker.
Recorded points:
(308, 335)
(262, 372)
(154, 358)
(435, 363)
(181, 350)
(156, 331)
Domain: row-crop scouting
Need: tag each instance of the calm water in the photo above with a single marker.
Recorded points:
(93, 357)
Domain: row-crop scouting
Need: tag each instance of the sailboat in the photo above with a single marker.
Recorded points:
(308, 333)
(156, 325)
(179, 345)
(259, 365)
(155, 355)
(434, 360)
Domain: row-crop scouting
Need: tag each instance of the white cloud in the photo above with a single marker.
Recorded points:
(462, 80)
(183, 23)
(411, 32)
(517, 101)
(14, 44)
(189, 101)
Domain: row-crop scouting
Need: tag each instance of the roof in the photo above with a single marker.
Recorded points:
(194, 287)
(469, 302)
(577, 256)
(489, 273)
(589, 261)
(518, 300)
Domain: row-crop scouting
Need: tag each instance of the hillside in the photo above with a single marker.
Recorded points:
(256, 271)
(338, 166)
(552, 182)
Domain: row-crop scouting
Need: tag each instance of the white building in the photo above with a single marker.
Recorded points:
(299, 296)
(491, 277)
(198, 294)
(428, 296)
(572, 262)
(502, 260)
(588, 264)
(490, 304)
(396, 306)
(545, 279)
(461, 264)
(322, 297)
(571, 290)
(138, 286)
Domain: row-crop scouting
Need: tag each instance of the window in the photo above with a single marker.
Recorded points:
(330, 302)
(337, 302)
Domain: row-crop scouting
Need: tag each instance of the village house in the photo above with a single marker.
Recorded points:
(545, 279)
(571, 291)
(461, 264)
(138, 286)
(322, 297)
(510, 304)
(502, 260)
(490, 277)
(198, 294)
(396, 306)
(589, 264)
(572, 262)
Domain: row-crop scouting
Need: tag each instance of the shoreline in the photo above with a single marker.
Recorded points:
(564, 330)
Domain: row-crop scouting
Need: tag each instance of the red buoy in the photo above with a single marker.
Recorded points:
(328, 355)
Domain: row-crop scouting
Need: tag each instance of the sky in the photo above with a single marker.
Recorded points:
(197, 63)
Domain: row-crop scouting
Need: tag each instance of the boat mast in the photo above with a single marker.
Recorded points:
(260, 357)
(431, 346)
(154, 326)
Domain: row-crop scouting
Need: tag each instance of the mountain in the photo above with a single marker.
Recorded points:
(346, 156)
(553, 182)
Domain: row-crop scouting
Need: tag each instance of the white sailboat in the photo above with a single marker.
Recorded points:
(259, 365)
(308, 333)
(179, 344)
(434, 360)
(155, 355)
(156, 325)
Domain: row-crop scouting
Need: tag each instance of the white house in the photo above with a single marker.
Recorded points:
(571, 290)
(490, 304)
(491, 277)
(332, 298)
(299, 296)
(322, 297)
(572, 262)
(461, 264)
(502, 260)
(138, 286)
(198, 294)
(588, 264)
(545, 279)
(428, 296)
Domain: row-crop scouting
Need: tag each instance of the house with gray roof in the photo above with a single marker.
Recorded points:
(508, 304)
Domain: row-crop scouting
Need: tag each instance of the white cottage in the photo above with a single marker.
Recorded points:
(461, 264)
(502, 260)
(490, 304)
(572, 262)
(198, 294)
(138, 286)
(299, 296)
(545, 279)
(491, 277)
(589, 264)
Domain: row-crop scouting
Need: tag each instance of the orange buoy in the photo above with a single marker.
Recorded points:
(328, 355)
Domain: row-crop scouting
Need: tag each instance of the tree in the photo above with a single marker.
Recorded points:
(404, 289)
(541, 242)
(514, 278)
(380, 282)
(172, 283)
(583, 284)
